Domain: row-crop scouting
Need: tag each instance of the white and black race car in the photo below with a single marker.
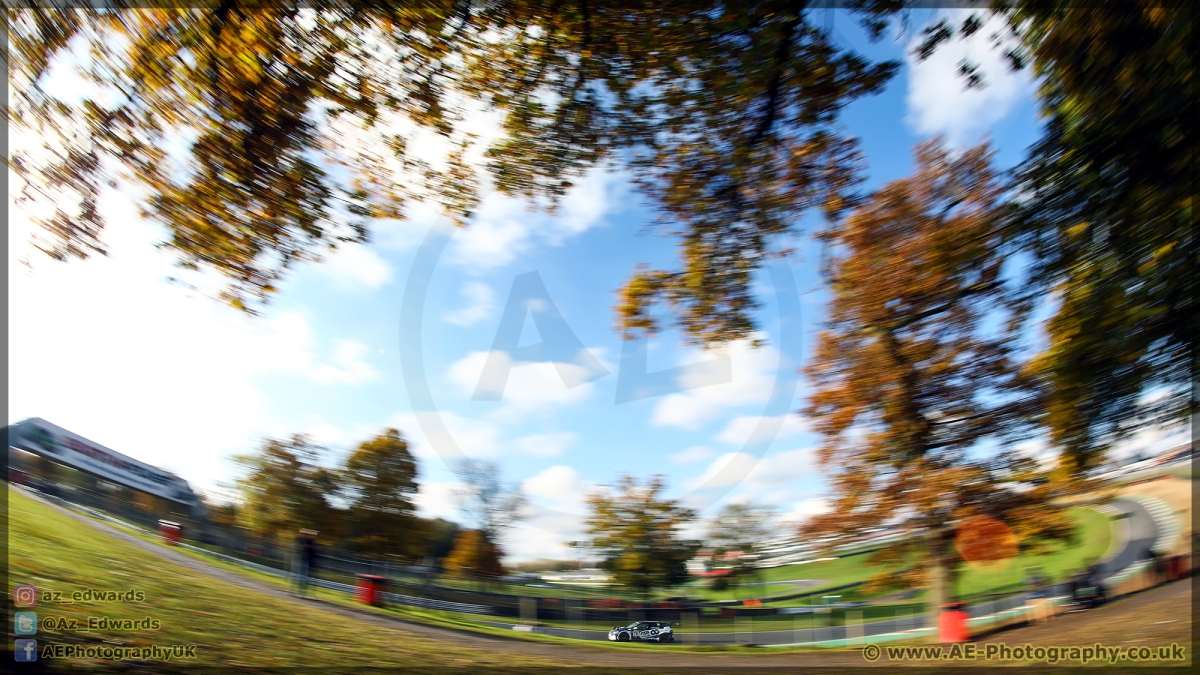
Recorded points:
(649, 631)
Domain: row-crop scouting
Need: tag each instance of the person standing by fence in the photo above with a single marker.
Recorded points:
(304, 559)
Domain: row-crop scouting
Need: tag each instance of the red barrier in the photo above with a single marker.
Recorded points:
(952, 623)
(171, 532)
(1175, 568)
(369, 589)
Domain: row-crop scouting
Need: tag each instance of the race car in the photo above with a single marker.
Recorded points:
(650, 631)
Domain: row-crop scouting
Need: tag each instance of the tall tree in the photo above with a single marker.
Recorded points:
(284, 490)
(636, 532)
(910, 385)
(725, 112)
(440, 535)
(1108, 211)
(381, 480)
(740, 528)
(488, 505)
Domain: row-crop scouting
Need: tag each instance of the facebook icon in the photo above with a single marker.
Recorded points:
(25, 650)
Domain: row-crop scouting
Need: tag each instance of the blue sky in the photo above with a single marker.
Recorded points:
(107, 349)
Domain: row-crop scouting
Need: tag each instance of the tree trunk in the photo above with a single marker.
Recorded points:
(941, 570)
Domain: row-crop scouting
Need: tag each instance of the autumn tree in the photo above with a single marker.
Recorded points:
(222, 513)
(1107, 211)
(473, 557)
(298, 129)
(916, 394)
(440, 535)
(283, 489)
(740, 528)
(380, 480)
(298, 126)
(1111, 217)
(636, 533)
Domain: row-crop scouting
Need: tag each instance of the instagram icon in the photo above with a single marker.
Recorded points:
(25, 596)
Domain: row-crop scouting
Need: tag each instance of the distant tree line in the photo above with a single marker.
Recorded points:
(366, 505)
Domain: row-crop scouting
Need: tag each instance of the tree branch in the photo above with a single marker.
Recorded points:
(774, 88)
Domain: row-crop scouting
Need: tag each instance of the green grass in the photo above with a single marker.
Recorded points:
(232, 628)
(846, 570)
(52, 550)
(1093, 541)
(426, 616)
(1095, 534)
(829, 574)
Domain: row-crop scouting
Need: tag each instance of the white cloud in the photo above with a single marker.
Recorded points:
(546, 445)
(506, 227)
(407, 234)
(107, 348)
(1037, 449)
(331, 435)
(695, 453)
(448, 435)
(353, 266)
(1152, 441)
(559, 487)
(500, 232)
(754, 475)
(545, 536)
(937, 100)
(348, 366)
(530, 388)
(480, 302)
(753, 377)
(555, 515)
(288, 346)
(746, 430)
(502, 227)
(585, 205)
(805, 509)
(436, 499)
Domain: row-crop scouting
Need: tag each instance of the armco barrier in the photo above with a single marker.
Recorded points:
(1144, 575)
(350, 589)
(331, 585)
